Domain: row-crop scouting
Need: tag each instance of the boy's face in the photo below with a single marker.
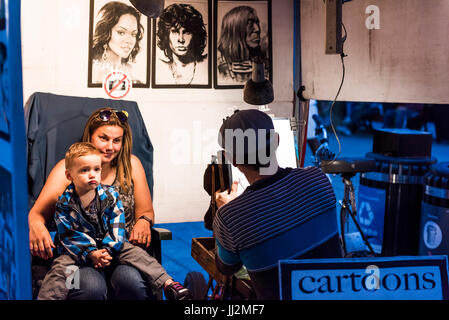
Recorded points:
(85, 172)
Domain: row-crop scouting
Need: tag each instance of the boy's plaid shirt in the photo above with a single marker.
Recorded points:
(77, 237)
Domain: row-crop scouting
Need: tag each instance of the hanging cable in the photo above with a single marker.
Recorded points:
(342, 56)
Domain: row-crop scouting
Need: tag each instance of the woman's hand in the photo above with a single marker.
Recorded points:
(141, 234)
(41, 243)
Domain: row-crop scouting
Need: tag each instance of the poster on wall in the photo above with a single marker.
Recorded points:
(242, 31)
(181, 46)
(119, 40)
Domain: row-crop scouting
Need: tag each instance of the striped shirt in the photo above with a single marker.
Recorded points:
(264, 213)
(290, 215)
(291, 205)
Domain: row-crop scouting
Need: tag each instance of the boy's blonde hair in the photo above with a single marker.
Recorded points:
(79, 149)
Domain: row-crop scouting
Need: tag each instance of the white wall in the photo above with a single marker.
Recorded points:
(404, 60)
(182, 123)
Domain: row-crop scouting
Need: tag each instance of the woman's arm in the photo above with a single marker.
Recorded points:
(143, 205)
(43, 211)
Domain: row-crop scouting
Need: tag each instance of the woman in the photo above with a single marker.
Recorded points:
(182, 37)
(116, 40)
(240, 41)
(109, 131)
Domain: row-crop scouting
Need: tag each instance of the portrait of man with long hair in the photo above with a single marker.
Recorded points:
(180, 48)
(242, 32)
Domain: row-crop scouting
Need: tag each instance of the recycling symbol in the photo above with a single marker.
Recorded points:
(366, 215)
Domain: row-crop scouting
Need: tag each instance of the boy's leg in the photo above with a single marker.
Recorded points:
(55, 286)
(150, 268)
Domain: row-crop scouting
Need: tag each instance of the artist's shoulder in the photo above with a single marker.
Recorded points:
(310, 172)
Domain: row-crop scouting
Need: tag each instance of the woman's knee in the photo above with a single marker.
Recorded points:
(127, 284)
(92, 285)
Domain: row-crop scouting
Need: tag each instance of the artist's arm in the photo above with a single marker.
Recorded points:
(226, 261)
(222, 198)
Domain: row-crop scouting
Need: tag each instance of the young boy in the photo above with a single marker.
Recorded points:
(91, 230)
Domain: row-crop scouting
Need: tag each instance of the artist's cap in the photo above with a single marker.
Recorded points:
(248, 121)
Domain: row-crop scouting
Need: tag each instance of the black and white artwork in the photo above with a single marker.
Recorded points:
(242, 31)
(119, 38)
(181, 45)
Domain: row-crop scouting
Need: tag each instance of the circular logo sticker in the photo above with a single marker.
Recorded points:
(432, 235)
(117, 84)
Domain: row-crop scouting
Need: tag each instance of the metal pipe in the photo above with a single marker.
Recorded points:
(301, 116)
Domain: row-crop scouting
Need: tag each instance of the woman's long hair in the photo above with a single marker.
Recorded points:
(182, 15)
(111, 14)
(232, 44)
(123, 160)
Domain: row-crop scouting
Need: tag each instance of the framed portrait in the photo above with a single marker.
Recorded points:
(181, 45)
(119, 40)
(242, 30)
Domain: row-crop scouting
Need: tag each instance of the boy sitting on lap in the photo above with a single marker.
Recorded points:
(91, 230)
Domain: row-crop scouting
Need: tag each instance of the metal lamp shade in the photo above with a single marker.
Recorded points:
(258, 90)
(150, 8)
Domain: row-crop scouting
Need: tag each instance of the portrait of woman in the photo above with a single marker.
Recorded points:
(118, 40)
(242, 32)
(181, 46)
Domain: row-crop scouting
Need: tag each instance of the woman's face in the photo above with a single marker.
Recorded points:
(124, 36)
(252, 31)
(108, 139)
(179, 40)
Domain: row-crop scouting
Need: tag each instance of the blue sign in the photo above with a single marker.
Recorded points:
(433, 231)
(380, 278)
(15, 268)
(370, 215)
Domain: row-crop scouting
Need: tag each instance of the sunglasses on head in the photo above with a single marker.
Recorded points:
(105, 115)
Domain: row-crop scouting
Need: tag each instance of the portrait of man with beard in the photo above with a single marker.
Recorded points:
(242, 32)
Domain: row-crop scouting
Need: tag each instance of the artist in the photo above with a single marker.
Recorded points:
(285, 213)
